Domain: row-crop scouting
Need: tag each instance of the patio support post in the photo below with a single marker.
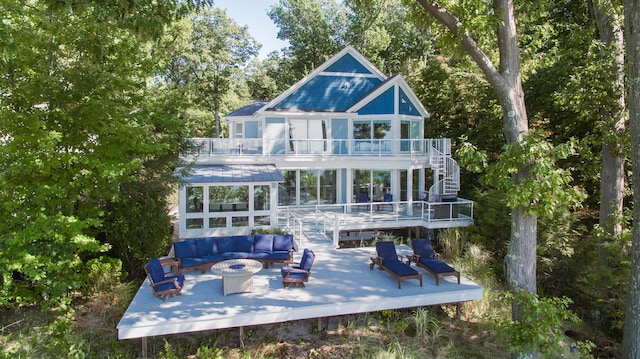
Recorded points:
(143, 352)
(241, 337)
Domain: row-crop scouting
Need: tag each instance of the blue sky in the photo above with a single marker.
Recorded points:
(253, 13)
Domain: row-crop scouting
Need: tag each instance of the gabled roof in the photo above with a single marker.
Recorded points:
(347, 82)
(335, 86)
(233, 174)
(384, 98)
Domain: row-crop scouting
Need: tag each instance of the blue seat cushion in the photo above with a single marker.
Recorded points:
(422, 247)
(236, 255)
(170, 285)
(226, 244)
(243, 243)
(207, 246)
(260, 255)
(156, 272)
(399, 268)
(387, 250)
(191, 261)
(282, 242)
(437, 265)
(285, 269)
(263, 243)
(213, 258)
(183, 249)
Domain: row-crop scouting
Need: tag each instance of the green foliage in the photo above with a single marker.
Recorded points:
(528, 174)
(541, 326)
(78, 122)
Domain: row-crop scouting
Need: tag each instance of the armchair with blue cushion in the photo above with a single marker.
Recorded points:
(389, 261)
(298, 273)
(424, 256)
(163, 285)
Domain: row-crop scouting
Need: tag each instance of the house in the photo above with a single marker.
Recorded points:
(345, 144)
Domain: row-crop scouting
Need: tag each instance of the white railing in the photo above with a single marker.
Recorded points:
(294, 225)
(355, 147)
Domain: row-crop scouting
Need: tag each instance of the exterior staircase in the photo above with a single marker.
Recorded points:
(446, 169)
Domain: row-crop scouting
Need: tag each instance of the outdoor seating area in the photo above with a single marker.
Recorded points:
(388, 260)
(424, 256)
(202, 253)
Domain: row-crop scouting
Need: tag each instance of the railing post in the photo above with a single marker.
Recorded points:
(336, 231)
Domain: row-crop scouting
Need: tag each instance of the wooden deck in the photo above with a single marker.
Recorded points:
(341, 283)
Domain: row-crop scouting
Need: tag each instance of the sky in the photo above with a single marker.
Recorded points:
(253, 13)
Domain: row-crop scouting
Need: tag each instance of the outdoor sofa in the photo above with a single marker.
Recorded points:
(202, 253)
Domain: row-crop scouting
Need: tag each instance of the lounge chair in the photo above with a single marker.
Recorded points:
(389, 260)
(424, 257)
(298, 273)
(163, 285)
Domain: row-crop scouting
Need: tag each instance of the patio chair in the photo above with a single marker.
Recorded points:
(424, 257)
(163, 285)
(298, 273)
(389, 260)
(363, 198)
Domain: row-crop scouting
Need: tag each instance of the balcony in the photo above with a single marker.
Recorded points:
(354, 147)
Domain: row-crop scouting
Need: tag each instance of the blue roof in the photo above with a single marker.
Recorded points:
(233, 174)
(406, 106)
(348, 64)
(382, 104)
(328, 93)
(249, 109)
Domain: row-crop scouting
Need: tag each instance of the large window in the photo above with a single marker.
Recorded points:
(195, 199)
(261, 201)
(308, 187)
(374, 183)
(308, 135)
(328, 186)
(287, 189)
(228, 198)
(372, 136)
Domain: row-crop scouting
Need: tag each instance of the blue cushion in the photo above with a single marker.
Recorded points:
(263, 242)
(437, 265)
(207, 246)
(226, 244)
(259, 255)
(278, 256)
(191, 261)
(422, 247)
(307, 260)
(236, 255)
(243, 243)
(399, 268)
(170, 285)
(184, 249)
(386, 250)
(285, 269)
(213, 258)
(156, 272)
(282, 242)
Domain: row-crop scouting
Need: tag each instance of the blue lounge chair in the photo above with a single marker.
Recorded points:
(298, 273)
(424, 257)
(389, 261)
(163, 285)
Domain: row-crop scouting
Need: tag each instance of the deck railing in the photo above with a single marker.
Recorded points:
(355, 147)
(331, 219)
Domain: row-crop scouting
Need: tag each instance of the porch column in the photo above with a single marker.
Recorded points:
(349, 189)
(410, 192)
(273, 204)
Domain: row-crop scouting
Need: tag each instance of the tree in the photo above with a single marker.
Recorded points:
(207, 62)
(533, 180)
(72, 120)
(631, 336)
(315, 30)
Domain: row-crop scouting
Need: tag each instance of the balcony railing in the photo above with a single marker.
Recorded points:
(354, 147)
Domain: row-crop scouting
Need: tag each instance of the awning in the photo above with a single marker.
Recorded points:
(233, 174)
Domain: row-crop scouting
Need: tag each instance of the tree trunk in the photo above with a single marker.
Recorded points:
(520, 261)
(631, 336)
(612, 175)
